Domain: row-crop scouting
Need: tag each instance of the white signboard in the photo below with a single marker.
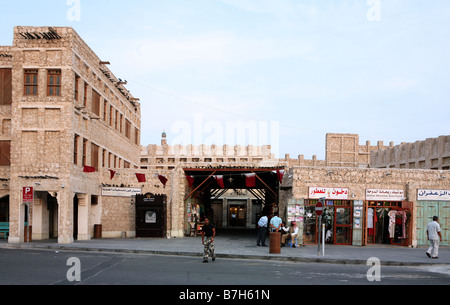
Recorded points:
(150, 217)
(337, 193)
(436, 195)
(121, 191)
(385, 195)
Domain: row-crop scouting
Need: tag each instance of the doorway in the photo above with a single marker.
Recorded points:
(337, 218)
(343, 226)
(426, 210)
(75, 217)
(52, 207)
(237, 216)
(217, 214)
(227, 194)
(151, 219)
(4, 209)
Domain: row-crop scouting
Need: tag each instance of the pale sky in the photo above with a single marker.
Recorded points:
(313, 67)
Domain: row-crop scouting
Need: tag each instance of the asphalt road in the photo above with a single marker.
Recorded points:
(35, 267)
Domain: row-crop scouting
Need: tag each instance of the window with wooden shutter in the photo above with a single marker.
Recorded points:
(75, 149)
(5, 86)
(30, 82)
(96, 102)
(128, 129)
(94, 156)
(5, 153)
(136, 136)
(77, 87)
(117, 120)
(54, 83)
(111, 117)
(85, 95)
(105, 110)
(84, 160)
(104, 156)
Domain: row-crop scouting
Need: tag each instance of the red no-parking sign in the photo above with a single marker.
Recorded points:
(319, 208)
(27, 194)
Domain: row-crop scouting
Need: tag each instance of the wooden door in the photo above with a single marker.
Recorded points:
(425, 212)
(444, 220)
(151, 218)
(343, 225)
(218, 214)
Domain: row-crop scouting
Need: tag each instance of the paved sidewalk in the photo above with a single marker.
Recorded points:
(243, 246)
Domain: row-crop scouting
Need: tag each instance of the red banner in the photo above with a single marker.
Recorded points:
(190, 180)
(88, 169)
(250, 180)
(280, 174)
(141, 177)
(219, 180)
(163, 180)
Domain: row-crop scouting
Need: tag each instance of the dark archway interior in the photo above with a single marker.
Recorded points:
(208, 185)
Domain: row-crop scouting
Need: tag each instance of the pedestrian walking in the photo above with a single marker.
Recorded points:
(275, 223)
(434, 236)
(262, 231)
(208, 235)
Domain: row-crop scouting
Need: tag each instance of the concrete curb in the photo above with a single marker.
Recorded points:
(272, 257)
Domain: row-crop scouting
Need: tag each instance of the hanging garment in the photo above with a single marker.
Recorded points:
(403, 218)
(370, 220)
(391, 215)
(379, 225)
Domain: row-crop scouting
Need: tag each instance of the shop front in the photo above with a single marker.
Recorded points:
(432, 203)
(388, 218)
(337, 216)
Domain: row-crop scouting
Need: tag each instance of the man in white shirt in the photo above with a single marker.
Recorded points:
(262, 231)
(434, 236)
(293, 234)
(275, 223)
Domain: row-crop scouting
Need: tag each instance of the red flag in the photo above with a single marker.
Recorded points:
(219, 180)
(88, 169)
(250, 180)
(190, 180)
(111, 173)
(140, 177)
(163, 180)
(280, 174)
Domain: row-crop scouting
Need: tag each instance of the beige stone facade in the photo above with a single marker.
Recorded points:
(67, 120)
(67, 110)
(358, 181)
(432, 153)
(167, 156)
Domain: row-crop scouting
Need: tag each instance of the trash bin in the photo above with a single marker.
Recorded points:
(275, 243)
(97, 231)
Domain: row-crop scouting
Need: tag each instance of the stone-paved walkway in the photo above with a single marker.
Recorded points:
(242, 245)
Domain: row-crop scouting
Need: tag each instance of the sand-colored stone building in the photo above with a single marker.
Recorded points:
(71, 131)
(432, 153)
(62, 109)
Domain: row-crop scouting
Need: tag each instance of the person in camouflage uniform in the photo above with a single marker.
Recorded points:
(208, 234)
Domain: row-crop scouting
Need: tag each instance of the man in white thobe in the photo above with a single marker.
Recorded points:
(434, 236)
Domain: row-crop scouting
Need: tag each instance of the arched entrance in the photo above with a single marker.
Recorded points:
(4, 217)
(4, 209)
(44, 216)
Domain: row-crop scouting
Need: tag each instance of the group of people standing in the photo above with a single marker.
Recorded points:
(276, 225)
